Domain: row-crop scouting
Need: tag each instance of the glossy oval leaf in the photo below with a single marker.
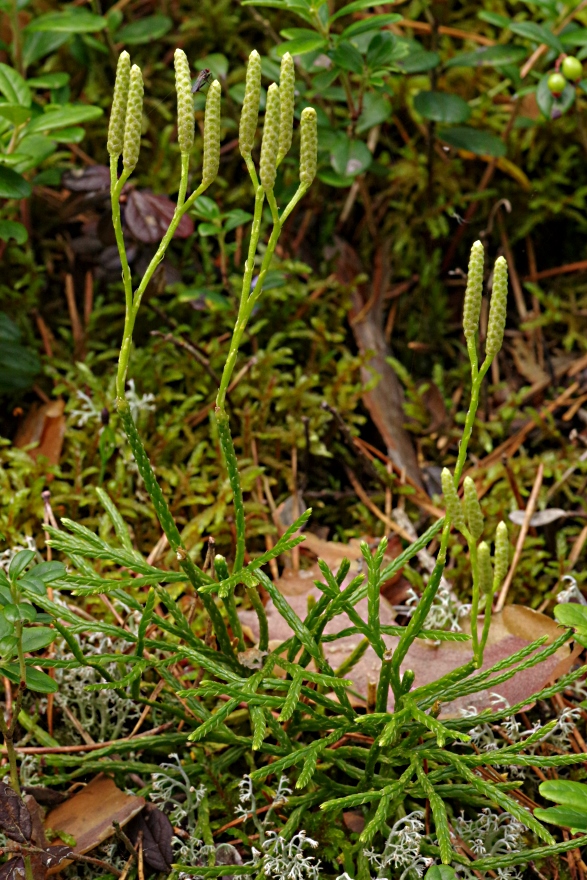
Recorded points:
(570, 614)
(10, 229)
(350, 158)
(348, 57)
(70, 21)
(35, 679)
(296, 33)
(419, 62)
(14, 87)
(153, 27)
(576, 37)
(440, 872)
(15, 113)
(566, 817)
(331, 178)
(302, 46)
(566, 792)
(376, 109)
(537, 33)
(356, 6)
(49, 80)
(6, 628)
(551, 107)
(64, 117)
(49, 571)
(19, 562)
(381, 49)
(41, 43)
(482, 143)
(372, 23)
(500, 21)
(36, 637)
(442, 107)
(489, 56)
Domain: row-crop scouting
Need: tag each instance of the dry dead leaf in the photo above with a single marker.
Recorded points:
(542, 518)
(45, 426)
(89, 814)
(354, 821)
(526, 363)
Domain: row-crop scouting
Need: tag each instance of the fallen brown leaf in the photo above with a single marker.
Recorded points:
(89, 814)
(44, 425)
(511, 629)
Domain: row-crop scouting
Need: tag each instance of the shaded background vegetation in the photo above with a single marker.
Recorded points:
(389, 243)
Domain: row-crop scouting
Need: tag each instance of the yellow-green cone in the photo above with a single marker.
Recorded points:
(250, 111)
(270, 143)
(185, 102)
(211, 134)
(134, 120)
(309, 146)
(287, 85)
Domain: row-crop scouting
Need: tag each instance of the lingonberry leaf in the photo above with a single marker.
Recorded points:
(157, 834)
(15, 819)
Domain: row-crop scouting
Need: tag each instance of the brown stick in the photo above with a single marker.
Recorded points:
(76, 324)
(521, 538)
(71, 750)
(393, 526)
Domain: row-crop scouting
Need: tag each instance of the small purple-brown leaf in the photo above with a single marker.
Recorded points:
(147, 217)
(157, 834)
(13, 870)
(95, 177)
(15, 819)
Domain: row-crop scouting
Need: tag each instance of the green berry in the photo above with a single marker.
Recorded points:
(556, 84)
(572, 68)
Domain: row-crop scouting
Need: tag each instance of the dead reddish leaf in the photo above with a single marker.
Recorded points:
(526, 363)
(45, 426)
(89, 814)
(511, 630)
(157, 833)
(354, 821)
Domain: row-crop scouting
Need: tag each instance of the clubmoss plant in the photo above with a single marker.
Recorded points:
(286, 709)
